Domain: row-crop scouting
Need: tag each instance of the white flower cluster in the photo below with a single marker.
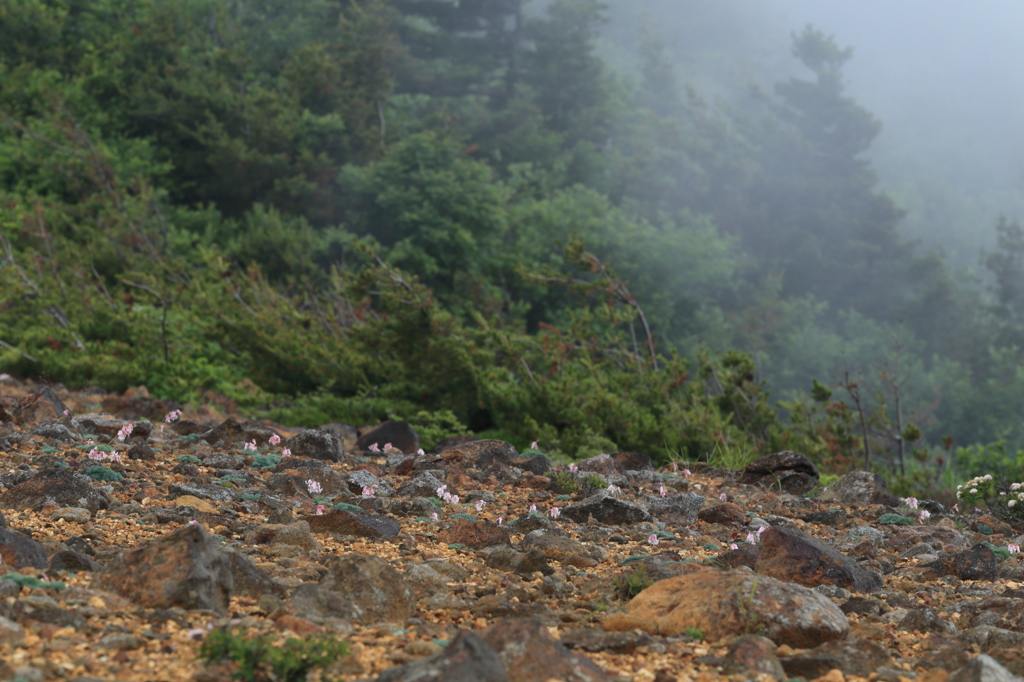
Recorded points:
(972, 485)
(1016, 490)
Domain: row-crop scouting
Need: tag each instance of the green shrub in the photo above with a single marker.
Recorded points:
(266, 461)
(252, 656)
(632, 583)
(102, 473)
(188, 459)
(563, 483)
(895, 520)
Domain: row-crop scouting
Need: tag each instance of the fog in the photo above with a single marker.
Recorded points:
(942, 76)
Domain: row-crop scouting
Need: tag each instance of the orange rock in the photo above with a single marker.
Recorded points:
(299, 626)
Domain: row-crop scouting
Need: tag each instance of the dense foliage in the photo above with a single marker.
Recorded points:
(457, 213)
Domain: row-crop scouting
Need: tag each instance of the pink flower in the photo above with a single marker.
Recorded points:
(761, 530)
(686, 473)
(320, 510)
(661, 491)
(114, 457)
(555, 512)
(956, 509)
(96, 455)
(722, 497)
(5, 377)
(433, 517)
(573, 467)
(374, 448)
(313, 487)
(172, 416)
(67, 413)
(653, 539)
(533, 507)
(441, 489)
(193, 522)
(368, 491)
(125, 431)
(751, 538)
(501, 520)
(251, 445)
(480, 505)
(734, 546)
(613, 489)
(286, 452)
(419, 451)
(675, 467)
(161, 428)
(1013, 549)
(910, 502)
(388, 447)
(533, 445)
(275, 439)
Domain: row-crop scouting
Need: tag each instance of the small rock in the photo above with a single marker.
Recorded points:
(753, 654)
(204, 491)
(561, 549)
(234, 433)
(71, 561)
(787, 470)
(317, 444)
(121, 642)
(316, 602)
(72, 514)
(353, 523)
(859, 657)
(357, 481)
(977, 563)
(606, 509)
(726, 513)
(679, 509)
(480, 454)
(833, 516)
(10, 632)
(531, 654)
(423, 485)
(983, 668)
(522, 563)
(59, 487)
(297, 534)
(537, 464)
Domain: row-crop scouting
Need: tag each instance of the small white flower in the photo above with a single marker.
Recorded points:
(974, 491)
(1011, 503)
(1013, 549)
(734, 546)
(661, 491)
(433, 517)
(480, 505)
(653, 539)
(286, 452)
(501, 520)
(313, 487)
(555, 512)
(420, 452)
(533, 507)
(722, 497)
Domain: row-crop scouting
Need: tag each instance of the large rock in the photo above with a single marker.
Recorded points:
(60, 487)
(378, 591)
(791, 555)
(353, 523)
(399, 434)
(317, 444)
(977, 563)
(204, 491)
(566, 551)
(608, 509)
(752, 655)
(679, 509)
(297, 534)
(725, 513)
(983, 668)
(185, 568)
(480, 454)
(531, 654)
(41, 406)
(859, 657)
(787, 470)
(860, 488)
(249, 580)
(234, 433)
(21, 552)
(728, 603)
(634, 461)
(468, 658)
(603, 464)
(475, 534)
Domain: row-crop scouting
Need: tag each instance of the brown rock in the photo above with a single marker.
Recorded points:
(859, 657)
(753, 654)
(726, 513)
(531, 654)
(791, 555)
(452, 442)
(606, 465)
(533, 482)
(232, 432)
(997, 526)
(474, 534)
(480, 454)
(185, 568)
(861, 488)
(727, 603)
(284, 534)
(634, 461)
(379, 592)
(351, 523)
(42, 406)
(557, 548)
(742, 556)
(977, 563)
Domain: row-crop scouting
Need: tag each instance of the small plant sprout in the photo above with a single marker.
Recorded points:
(1013, 549)
(923, 516)
(533, 507)
(320, 510)
(313, 487)
(480, 504)
(573, 467)
(910, 502)
(661, 491)
(125, 431)
(172, 416)
(275, 439)
(374, 447)
(723, 497)
(250, 446)
(652, 539)
(286, 452)
(555, 512)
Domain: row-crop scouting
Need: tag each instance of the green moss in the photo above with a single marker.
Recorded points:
(102, 473)
(895, 520)
(266, 461)
(190, 459)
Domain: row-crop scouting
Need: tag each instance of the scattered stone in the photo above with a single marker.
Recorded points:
(468, 658)
(787, 470)
(71, 561)
(679, 509)
(317, 444)
(71, 515)
(753, 654)
(21, 552)
(204, 491)
(232, 433)
(727, 603)
(977, 563)
(983, 668)
(605, 464)
(791, 555)
(185, 568)
(861, 488)
(858, 656)
(474, 534)
(59, 487)
(537, 464)
(523, 563)
(359, 480)
(564, 550)
(531, 654)
(297, 534)
(725, 513)
(833, 516)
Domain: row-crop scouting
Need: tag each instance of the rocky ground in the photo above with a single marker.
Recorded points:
(472, 562)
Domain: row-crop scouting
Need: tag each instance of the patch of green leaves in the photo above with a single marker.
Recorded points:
(32, 582)
(895, 520)
(255, 657)
(266, 461)
(102, 473)
(189, 459)
(632, 583)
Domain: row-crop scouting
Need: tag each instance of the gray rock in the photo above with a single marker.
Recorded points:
(681, 507)
(317, 444)
(56, 431)
(468, 658)
(59, 487)
(423, 485)
(522, 563)
(204, 491)
(398, 433)
(859, 488)
(316, 603)
(72, 514)
(297, 534)
(356, 481)
(21, 552)
(564, 550)
(376, 589)
(606, 509)
(983, 668)
(249, 580)
(71, 561)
